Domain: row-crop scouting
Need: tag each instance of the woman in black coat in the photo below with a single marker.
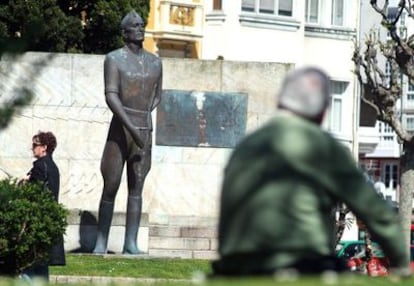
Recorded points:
(45, 170)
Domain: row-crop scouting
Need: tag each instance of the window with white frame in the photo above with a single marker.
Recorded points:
(330, 14)
(386, 133)
(335, 113)
(402, 28)
(410, 94)
(409, 123)
(391, 175)
(402, 19)
(388, 73)
(312, 11)
(338, 11)
(269, 7)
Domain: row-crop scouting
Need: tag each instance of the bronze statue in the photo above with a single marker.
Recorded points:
(133, 83)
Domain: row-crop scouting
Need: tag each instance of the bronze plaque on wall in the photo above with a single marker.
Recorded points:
(201, 119)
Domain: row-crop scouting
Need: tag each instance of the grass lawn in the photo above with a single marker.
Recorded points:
(112, 265)
(174, 272)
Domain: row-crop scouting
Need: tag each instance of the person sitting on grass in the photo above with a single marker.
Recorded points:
(281, 186)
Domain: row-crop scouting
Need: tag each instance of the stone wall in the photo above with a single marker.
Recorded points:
(181, 192)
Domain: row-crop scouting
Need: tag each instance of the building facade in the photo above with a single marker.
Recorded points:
(321, 33)
(175, 28)
(313, 32)
(383, 163)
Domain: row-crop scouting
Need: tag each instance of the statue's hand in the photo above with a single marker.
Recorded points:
(137, 139)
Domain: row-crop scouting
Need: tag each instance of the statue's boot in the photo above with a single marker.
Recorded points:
(106, 210)
(132, 225)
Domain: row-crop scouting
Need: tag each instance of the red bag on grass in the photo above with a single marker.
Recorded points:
(377, 266)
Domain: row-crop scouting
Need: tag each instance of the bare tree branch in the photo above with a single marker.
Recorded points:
(382, 11)
(402, 48)
(379, 90)
(407, 6)
(400, 131)
(398, 52)
(365, 89)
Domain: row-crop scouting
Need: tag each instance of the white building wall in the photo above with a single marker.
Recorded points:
(265, 45)
(351, 231)
(242, 36)
(322, 45)
(242, 41)
(332, 55)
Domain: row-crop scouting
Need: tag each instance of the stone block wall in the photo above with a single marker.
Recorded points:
(181, 192)
(182, 237)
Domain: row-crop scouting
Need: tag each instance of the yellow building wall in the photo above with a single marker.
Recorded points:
(150, 44)
(151, 17)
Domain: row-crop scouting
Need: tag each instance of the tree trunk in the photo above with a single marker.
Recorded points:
(406, 192)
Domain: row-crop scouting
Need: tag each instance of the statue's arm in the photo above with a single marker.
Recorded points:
(158, 89)
(112, 79)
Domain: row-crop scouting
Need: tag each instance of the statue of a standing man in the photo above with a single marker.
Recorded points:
(133, 83)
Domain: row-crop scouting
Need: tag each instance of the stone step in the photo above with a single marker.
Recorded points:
(171, 253)
(177, 220)
(183, 236)
(177, 231)
(205, 254)
(185, 254)
(179, 243)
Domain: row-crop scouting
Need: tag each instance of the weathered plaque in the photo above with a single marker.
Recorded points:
(199, 118)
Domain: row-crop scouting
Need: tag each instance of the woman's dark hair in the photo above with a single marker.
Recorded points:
(48, 139)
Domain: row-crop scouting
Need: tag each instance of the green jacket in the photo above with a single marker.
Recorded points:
(278, 197)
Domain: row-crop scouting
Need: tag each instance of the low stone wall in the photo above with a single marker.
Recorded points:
(159, 236)
(184, 182)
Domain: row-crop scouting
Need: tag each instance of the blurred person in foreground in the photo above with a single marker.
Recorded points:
(282, 184)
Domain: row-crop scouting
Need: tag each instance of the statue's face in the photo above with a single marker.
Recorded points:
(134, 30)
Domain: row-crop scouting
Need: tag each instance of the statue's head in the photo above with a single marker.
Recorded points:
(306, 92)
(133, 27)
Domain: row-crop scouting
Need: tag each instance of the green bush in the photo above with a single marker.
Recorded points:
(31, 221)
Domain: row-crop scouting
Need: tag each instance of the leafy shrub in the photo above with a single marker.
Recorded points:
(31, 221)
